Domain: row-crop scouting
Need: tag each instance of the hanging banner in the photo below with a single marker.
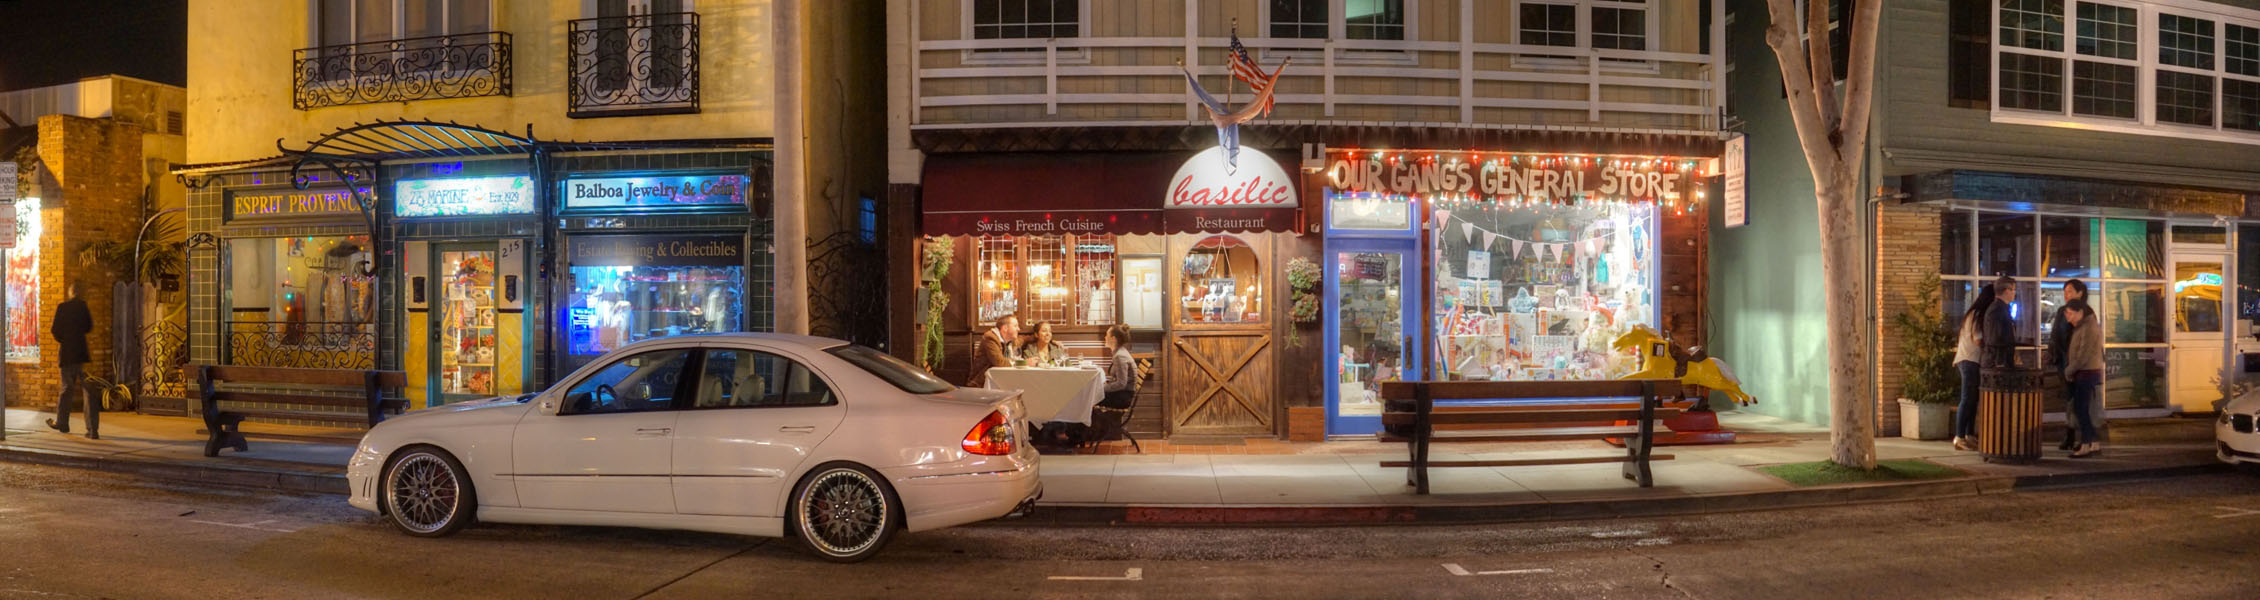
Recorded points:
(1737, 179)
(472, 196)
(1532, 177)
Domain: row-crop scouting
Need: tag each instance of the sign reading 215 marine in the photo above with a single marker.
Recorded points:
(469, 196)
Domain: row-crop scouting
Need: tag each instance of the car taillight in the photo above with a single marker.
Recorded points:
(993, 436)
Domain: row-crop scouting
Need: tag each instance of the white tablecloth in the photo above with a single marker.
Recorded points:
(1053, 394)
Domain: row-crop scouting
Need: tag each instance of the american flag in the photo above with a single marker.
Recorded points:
(1246, 69)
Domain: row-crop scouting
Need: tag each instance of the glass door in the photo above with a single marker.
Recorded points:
(1370, 296)
(466, 355)
(2199, 340)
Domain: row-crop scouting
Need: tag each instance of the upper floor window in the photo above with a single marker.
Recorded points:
(1593, 24)
(1543, 24)
(342, 22)
(1620, 28)
(1026, 19)
(2089, 62)
(1299, 19)
(1374, 19)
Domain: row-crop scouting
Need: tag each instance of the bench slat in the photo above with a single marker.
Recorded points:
(1530, 435)
(1511, 390)
(337, 401)
(296, 376)
(1501, 417)
(1524, 462)
(343, 437)
(357, 420)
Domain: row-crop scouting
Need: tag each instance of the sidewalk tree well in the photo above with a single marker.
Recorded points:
(1833, 132)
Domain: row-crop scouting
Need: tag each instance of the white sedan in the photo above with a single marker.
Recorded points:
(837, 445)
(2234, 429)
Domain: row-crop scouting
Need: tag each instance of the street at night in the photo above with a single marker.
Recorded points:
(80, 534)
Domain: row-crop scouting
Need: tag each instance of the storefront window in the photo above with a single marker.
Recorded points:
(1060, 279)
(1540, 294)
(1372, 324)
(2248, 280)
(1954, 242)
(1223, 282)
(23, 285)
(2134, 249)
(2068, 246)
(2134, 377)
(631, 288)
(1370, 212)
(2200, 234)
(2136, 312)
(1094, 280)
(2004, 245)
(1142, 292)
(2197, 297)
(1049, 291)
(294, 300)
(997, 294)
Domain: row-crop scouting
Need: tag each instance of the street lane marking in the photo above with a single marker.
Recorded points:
(1619, 533)
(1456, 570)
(1128, 575)
(2235, 512)
(1653, 542)
(254, 525)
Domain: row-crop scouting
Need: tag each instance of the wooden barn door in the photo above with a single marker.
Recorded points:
(1220, 354)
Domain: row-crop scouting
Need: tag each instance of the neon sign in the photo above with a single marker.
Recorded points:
(473, 196)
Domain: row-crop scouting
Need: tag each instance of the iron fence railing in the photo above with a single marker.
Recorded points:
(446, 66)
(164, 349)
(632, 65)
(310, 345)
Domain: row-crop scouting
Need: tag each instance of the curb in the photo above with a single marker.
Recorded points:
(248, 476)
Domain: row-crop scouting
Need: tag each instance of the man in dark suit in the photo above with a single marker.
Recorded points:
(2001, 325)
(72, 323)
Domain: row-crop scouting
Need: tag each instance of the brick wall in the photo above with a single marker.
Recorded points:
(1906, 252)
(91, 190)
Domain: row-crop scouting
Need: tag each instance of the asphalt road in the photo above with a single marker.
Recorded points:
(75, 534)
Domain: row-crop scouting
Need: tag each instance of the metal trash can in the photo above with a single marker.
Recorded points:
(2008, 423)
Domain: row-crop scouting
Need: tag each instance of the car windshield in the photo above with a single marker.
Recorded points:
(902, 374)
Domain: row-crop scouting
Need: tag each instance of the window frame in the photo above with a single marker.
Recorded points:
(399, 12)
(1584, 37)
(1337, 29)
(2149, 17)
(1029, 55)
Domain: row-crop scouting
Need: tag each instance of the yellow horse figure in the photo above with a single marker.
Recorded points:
(1658, 362)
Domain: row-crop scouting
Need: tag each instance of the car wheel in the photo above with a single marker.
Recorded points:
(427, 493)
(844, 513)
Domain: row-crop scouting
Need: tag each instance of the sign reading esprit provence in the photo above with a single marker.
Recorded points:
(293, 203)
(1515, 176)
(470, 196)
(656, 192)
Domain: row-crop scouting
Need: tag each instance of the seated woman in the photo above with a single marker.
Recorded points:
(1042, 351)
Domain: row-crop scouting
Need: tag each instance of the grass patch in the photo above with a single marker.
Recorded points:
(1830, 473)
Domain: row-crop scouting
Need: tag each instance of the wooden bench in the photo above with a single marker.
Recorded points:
(1411, 415)
(314, 395)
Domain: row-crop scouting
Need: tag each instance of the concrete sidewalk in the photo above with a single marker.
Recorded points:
(1267, 481)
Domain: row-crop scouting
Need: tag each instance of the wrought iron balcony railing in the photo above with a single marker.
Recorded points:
(309, 345)
(447, 66)
(632, 65)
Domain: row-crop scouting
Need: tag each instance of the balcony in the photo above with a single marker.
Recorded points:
(632, 65)
(426, 68)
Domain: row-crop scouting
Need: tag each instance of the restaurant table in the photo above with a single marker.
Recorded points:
(1053, 394)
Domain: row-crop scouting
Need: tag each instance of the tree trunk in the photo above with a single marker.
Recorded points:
(1851, 407)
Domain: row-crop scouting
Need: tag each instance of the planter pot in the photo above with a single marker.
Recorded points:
(1930, 422)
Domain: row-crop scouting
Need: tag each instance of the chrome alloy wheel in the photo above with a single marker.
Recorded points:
(843, 512)
(423, 493)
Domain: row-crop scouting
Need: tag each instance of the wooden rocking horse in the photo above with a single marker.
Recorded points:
(1659, 359)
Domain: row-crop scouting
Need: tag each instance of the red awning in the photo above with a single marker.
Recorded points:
(1044, 194)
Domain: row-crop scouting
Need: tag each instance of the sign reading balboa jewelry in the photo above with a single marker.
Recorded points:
(656, 191)
(671, 250)
(292, 203)
(473, 196)
(1209, 194)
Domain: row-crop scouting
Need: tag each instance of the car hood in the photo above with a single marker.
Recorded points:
(2249, 403)
(489, 404)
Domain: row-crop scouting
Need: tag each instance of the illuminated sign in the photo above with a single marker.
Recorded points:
(1207, 180)
(1517, 177)
(511, 195)
(656, 191)
(293, 203)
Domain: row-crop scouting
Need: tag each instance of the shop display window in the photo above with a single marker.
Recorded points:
(1534, 294)
(2005, 245)
(300, 291)
(2134, 377)
(2134, 249)
(1954, 242)
(1223, 282)
(23, 285)
(614, 305)
(1062, 279)
(1142, 283)
(2069, 246)
(467, 327)
(2135, 312)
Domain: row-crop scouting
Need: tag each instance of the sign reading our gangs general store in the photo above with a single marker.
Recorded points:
(1531, 177)
(293, 203)
(656, 191)
(669, 250)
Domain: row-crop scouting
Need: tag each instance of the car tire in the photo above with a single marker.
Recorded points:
(426, 493)
(844, 512)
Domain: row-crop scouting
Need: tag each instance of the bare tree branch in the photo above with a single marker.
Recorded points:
(1859, 79)
(1804, 112)
(1823, 70)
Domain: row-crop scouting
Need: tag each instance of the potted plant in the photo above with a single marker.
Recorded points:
(1927, 387)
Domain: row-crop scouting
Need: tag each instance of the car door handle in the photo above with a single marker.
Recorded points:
(798, 429)
(654, 431)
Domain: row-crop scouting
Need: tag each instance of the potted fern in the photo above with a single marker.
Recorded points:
(1926, 392)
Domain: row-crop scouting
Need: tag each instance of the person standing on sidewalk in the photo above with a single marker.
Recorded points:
(1967, 353)
(2000, 336)
(2059, 343)
(72, 323)
(2083, 370)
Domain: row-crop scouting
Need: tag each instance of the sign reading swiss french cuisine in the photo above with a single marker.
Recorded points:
(1526, 176)
(1215, 196)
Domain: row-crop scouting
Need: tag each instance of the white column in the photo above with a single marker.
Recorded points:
(787, 24)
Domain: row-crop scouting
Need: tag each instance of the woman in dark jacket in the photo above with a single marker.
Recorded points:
(2083, 370)
(1968, 351)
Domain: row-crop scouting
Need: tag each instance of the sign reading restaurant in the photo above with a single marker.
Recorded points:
(656, 191)
(1533, 177)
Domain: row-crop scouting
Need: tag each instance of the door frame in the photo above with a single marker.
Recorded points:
(2178, 253)
(1269, 272)
(435, 307)
(1409, 305)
